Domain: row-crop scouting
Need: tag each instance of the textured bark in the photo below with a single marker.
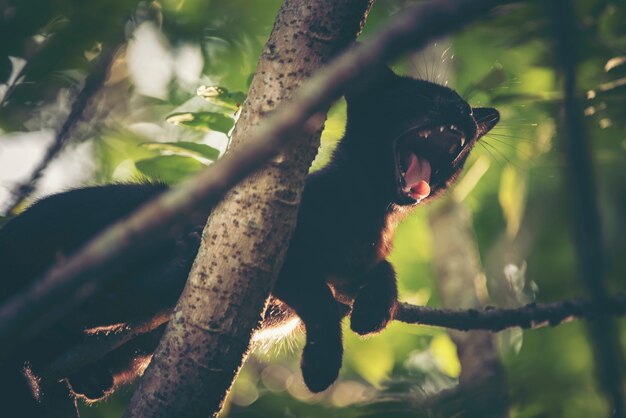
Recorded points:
(248, 233)
(458, 270)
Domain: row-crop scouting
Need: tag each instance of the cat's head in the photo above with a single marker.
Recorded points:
(413, 135)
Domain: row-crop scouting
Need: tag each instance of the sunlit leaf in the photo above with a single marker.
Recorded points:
(612, 87)
(204, 121)
(614, 63)
(169, 168)
(220, 96)
(185, 148)
(512, 198)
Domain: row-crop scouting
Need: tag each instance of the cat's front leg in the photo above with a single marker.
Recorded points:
(314, 303)
(376, 302)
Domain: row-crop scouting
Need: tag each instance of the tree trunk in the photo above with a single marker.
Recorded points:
(482, 382)
(247, 234)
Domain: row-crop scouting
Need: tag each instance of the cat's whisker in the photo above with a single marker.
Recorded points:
(502, 154)
(505, 137)
(517, 125)
(493, 157)
(508, 144)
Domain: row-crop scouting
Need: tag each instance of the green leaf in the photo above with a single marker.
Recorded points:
(203, 121)
(220, 96)
(185, 148)
(169, 168)
(512, 198)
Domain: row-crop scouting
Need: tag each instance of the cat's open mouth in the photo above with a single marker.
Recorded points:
(424, 157)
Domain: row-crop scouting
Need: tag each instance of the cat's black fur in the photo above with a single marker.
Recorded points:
(336, 260)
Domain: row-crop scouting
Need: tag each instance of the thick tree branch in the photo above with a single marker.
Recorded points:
(82, 275)
(585, 217)
(247, 234)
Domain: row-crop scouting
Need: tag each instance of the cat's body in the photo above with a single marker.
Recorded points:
(406, 140)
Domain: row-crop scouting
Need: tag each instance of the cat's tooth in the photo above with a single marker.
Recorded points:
(462, 141)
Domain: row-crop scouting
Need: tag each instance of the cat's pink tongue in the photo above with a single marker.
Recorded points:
(417, 177)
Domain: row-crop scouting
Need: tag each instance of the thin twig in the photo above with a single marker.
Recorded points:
(534, 315)
(93, 84)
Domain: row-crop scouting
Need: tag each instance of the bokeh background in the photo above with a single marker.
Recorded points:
(159, 116)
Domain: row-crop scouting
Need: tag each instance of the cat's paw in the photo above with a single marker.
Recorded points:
(370, 316)
(320, 365)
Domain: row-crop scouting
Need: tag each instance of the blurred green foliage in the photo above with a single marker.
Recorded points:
(513, 184)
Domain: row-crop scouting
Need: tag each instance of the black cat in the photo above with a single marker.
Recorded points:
(405, 143)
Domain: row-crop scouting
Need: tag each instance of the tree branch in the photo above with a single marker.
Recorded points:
(533, 315)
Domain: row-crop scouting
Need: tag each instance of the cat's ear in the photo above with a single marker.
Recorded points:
(486, 118)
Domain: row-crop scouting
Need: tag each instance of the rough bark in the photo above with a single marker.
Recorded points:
(248, 233)
(459, 273)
